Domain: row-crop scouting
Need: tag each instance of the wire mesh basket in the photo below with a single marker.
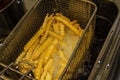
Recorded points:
(82, 10)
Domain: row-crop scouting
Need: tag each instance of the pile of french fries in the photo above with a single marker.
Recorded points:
(49, 49)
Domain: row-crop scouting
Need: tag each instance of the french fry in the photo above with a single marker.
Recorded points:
(62, 56)
(38, 33)
(59, 73)
(62, 31)
(44, 23)
(62, 43)
(29, 44)
(62, 63)
(67, 23)
(47, 29)
(38, 70)
(30, 51)
(51, 70)
(77, 26)
(43, 76)
(20, 67)
(27, 57)
(73, 22)
(48, 76)
(50, 50)
(24, 67)
(41, 48)
(23, 70)
(59, 37)
(65, 18)
(48, 65)
(20, 57)
(56, 28)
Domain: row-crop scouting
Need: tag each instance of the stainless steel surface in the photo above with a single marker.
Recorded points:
(29, 3)
(106, 57)
(9, 16)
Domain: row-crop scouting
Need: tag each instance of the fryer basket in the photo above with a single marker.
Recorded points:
(82, 10)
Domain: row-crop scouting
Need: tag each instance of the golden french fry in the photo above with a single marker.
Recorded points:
(56, 28)
(48, 76)
(65, 18)
(43, 76)
(38, 70)
(74, 22)
(30, 51)
(59, 37)
(50, 50)
(59, 73)
(48, 65)
(62, 43)
(42, 48)
(38, 33)
(20, 57)
(62, 56)
(62, 30)
(47, 29)
(67, 23)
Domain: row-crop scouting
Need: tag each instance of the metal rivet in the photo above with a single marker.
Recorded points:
(108, 65)
(30, 75)
(16, 67)
(18, 2)
(99, 62)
